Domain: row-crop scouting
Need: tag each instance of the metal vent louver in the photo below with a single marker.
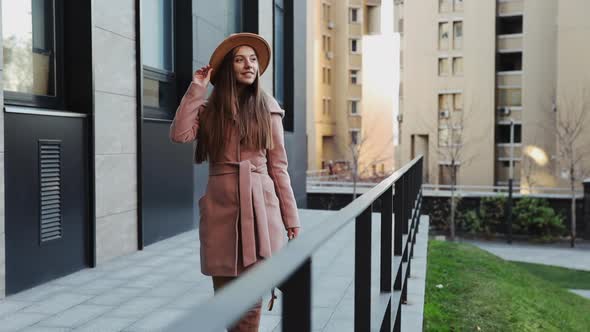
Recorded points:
(50, 217)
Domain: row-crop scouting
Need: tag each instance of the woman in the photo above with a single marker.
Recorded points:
(249, 202)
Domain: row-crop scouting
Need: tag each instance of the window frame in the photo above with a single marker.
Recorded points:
(358, 45)
(359, 15)
(352, 101)
(357, 76)
(358, 134)
(444, 58)
(163, 75)
(453, 67)
(58, 101)
(287, 36)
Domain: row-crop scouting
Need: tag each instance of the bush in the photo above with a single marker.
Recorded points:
(534, 216)
(470, 222)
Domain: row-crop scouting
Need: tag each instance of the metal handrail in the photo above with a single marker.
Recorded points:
(290, 268)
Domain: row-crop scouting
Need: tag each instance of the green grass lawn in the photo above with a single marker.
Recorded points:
(565, 278)
(482, 292)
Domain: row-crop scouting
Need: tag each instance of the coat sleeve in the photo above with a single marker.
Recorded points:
(277, 166)
(185, 126)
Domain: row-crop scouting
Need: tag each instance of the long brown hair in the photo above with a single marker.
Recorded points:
(252, 116)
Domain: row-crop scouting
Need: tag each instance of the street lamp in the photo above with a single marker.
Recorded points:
(510, 181)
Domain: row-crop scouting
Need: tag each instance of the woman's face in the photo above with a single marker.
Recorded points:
(245, 65)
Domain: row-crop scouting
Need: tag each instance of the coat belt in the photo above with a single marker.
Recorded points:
(253, 218)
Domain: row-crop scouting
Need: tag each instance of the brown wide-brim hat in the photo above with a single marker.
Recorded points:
(253, 40)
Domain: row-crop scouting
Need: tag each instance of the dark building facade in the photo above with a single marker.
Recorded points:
(87, 171)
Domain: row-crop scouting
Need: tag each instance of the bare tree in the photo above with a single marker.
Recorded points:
(529, 167)
(358, 151)
(452, 144)
(572, 153)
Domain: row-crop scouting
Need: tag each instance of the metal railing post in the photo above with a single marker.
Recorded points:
(297, 300)
(362, 271)
(397, 218)
(386, 239)
(386, 250)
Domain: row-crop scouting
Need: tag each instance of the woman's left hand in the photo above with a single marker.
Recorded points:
(292, 232)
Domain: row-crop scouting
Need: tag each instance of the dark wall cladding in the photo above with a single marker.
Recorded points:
(296, 141)
(34, 252)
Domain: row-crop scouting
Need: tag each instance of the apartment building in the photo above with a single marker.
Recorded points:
(483, 84)
(335, 111)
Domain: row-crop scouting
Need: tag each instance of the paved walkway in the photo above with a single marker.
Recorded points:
(413, 312)
(557, 255)
(552, 254)
(147, 290)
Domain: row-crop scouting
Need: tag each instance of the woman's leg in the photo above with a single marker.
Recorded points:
(251, 319)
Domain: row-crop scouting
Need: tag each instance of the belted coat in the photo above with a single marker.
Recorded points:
(248, 203)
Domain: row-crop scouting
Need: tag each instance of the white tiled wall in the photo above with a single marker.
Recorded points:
(115, 128)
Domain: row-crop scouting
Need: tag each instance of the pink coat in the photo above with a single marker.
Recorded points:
(248, 203)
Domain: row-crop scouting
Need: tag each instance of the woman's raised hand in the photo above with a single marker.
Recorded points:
(202, 76)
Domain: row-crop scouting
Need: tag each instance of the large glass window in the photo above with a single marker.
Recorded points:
(279, 50)
(156, 34)
(159, 79)
(32, 66)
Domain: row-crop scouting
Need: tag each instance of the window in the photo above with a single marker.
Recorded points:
(326, 106)
(326, 75)
(458, 34)
(445, 173)
(444, 6)
(355, 45)
(443, 35)
(448, 136)
(443, 66)
(354, 15)
(457, 102)
(353, 107)
(508, 25)
(354, 76)
(458, 66)
(159, 78)
(445, 102)
(458, 5)
(32, 36)
(354, 136)
(279, 51)
(509, 97)
(326, 12)
(503, 133)
(327, 43)
(509, 61)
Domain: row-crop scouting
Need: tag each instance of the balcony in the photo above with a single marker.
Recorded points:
(503, 171)
(509, 112)
(373, 2)
(510, 42)
(509, 78)
(503, 151)
(510, 7)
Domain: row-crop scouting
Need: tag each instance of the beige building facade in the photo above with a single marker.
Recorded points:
(336, 113)
(483, 83)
